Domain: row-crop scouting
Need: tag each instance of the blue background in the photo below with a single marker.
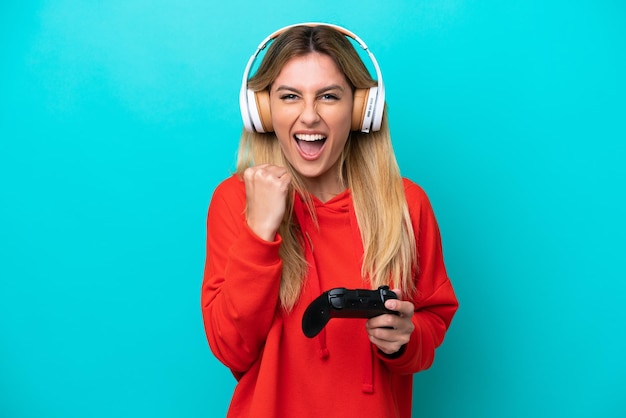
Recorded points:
(118, 118)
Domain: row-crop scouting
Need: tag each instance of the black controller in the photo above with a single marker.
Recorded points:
(344, 303)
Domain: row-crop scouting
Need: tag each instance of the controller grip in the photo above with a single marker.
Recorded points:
(316, 316)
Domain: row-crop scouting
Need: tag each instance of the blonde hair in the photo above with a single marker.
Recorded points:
(368, 168)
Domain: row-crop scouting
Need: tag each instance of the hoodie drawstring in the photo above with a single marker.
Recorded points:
(313, 281)
(368, 368)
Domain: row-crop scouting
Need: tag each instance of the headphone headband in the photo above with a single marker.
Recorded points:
(368, 114)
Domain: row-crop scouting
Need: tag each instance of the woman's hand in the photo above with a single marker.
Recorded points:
(390, 332)
(266, 197)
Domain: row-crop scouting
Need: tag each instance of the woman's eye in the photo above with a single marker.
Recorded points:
(329, 97)
(288, 97)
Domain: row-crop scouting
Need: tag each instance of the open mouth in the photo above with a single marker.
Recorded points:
(310, 145)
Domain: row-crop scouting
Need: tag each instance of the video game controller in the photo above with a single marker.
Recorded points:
(345, 303)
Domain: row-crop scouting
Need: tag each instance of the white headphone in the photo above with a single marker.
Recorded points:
(369, 104)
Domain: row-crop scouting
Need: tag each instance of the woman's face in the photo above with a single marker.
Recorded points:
(311, 108)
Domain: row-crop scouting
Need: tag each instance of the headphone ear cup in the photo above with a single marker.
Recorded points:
(359, 107)
(263, 105)
(258, 106)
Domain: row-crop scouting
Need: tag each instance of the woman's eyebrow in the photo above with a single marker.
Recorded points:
(287, 88)
(330, 88)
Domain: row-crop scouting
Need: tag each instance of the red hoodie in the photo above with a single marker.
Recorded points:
(339, 373)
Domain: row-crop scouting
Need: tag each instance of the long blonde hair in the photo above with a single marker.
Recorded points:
(368, 168)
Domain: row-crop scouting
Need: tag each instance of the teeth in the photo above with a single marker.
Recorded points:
(310, 138)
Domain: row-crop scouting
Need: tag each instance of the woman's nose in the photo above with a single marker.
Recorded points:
(310, 114)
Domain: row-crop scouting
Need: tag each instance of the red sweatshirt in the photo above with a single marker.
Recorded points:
(339, 373)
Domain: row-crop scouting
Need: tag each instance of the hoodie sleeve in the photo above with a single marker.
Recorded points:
(435, 301)
(241, 281)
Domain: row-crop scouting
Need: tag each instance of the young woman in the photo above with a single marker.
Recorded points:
(318, 202)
